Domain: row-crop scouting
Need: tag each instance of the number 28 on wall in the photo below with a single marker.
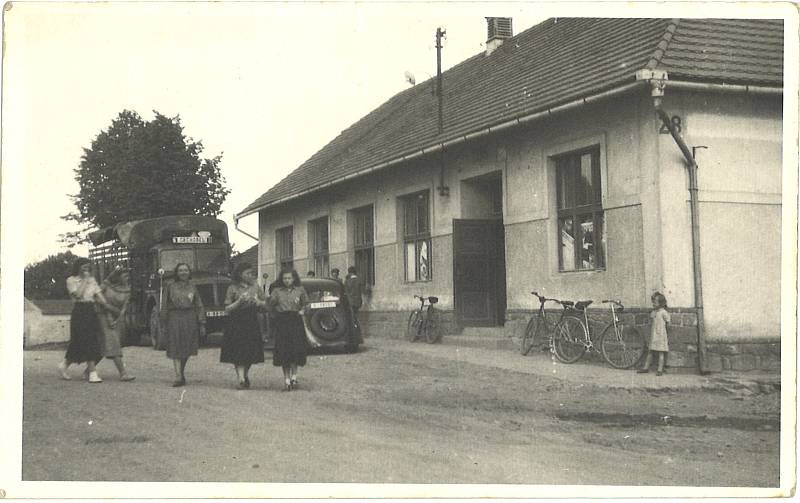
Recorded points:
(676, 122)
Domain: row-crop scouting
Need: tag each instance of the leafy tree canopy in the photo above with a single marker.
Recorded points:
(139, 169)
(47, 279)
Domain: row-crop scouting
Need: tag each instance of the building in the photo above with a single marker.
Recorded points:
(46, 322)
(553, 171)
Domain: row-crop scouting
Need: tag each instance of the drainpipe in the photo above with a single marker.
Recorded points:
(691, 166)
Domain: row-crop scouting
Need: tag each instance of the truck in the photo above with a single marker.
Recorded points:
(152, 248)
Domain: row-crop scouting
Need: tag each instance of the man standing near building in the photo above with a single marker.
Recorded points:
(352, 288)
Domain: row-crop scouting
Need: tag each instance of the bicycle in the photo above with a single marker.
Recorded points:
(422, 323)
(621, 344)
(537, 326)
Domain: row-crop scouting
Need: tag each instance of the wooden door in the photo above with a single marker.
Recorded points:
(477, 266)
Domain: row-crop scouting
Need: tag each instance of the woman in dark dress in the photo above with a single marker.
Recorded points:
(242, 344)
(184, 318)
(288, 302)
(84, 326)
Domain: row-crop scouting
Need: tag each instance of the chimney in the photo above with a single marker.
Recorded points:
(498, 30)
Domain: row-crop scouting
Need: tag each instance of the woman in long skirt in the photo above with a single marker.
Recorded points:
(184, 319)
(242, 344)
(116, 290)
(291, 346)
(84, 327)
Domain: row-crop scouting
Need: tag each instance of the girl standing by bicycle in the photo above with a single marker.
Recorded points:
(658, 334)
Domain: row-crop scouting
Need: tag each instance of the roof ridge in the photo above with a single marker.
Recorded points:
(663, 44)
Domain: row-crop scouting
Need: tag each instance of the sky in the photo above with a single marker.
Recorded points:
(264, 84)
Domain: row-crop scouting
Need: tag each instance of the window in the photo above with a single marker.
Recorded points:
(318, 236)
(284, 247)
(364, 243)
(580, 212)
(417, 237)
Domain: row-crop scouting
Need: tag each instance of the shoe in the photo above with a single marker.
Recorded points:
(180, 382)
(294, 383)
(126, 378)
(642, 371)
(288, 386)
(247, 383)
(62, 369)
(659, 372)
(94, 378)
(241, 385)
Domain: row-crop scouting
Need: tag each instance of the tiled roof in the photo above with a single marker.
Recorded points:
(552, 63)
(249, 256)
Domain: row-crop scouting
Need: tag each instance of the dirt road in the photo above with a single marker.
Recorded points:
(386, 415)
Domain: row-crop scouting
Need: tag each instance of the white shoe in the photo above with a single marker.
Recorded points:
(93, 377)
(62, 368)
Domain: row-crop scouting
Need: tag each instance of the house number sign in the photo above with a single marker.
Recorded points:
(677, 123)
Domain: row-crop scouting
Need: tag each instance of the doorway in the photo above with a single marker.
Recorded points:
(479, 268)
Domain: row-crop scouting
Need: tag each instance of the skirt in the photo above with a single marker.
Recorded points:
(242, 343)
(84, 334)
(112, 337)
(183, 333)
(291, 345)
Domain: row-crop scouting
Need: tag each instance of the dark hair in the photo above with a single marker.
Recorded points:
(335, 270)
(79, 262)
(187, 266)
(295, 276)
(240, 268)
(659, 299)
(351, 269)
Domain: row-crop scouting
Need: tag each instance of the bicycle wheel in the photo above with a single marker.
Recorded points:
(430, 328)
(569, 340)
(622, 348)
(530, 335)
(413, 326)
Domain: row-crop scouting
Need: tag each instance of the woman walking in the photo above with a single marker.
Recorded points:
(288, 301)
(116, 290)
(242, 344)
(84, 327)
(184, 320)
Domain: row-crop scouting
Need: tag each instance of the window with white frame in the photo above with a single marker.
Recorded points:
(318, 237)
(364, 243)
(417, 236)
(581, 239)
(284, 247)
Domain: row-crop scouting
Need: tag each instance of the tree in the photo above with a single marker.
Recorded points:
(140, 169)
(47, 279)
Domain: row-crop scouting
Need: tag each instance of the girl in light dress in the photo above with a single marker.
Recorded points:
(659, 343)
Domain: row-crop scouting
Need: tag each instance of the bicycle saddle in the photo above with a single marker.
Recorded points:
(580, 306)
(566, 303)
(433, 300)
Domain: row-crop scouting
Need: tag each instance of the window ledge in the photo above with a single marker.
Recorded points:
(583, 271)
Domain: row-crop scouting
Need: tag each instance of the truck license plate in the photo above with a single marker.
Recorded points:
(215, 314)
(322, 305)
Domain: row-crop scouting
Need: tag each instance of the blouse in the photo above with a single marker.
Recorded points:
(184, 296)
(74, 283)
(236, 291)
(285, 299)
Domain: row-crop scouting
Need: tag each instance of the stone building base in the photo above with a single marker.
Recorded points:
(753, 355)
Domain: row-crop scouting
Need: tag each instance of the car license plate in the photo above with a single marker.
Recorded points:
(215, 314)
(322, 305)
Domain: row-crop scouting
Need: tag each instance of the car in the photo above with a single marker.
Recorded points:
(328, 320)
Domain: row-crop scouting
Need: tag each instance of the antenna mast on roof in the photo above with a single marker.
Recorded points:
(444, 190)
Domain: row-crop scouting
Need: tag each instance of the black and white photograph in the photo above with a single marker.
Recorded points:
(398, 249)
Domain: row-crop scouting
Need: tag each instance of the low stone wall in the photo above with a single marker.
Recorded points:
(754, 355)
(392, 324)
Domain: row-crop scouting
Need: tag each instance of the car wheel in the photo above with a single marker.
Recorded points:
(328, 324)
